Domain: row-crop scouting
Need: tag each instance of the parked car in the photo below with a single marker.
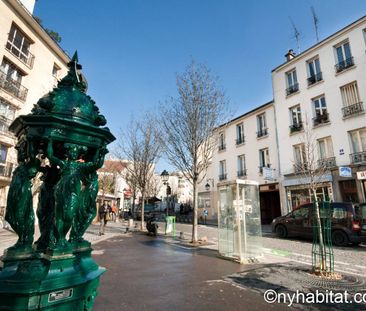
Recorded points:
(348, 223)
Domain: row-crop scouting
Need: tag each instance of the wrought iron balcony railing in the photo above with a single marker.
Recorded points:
(240, 140)
(222, 147)
(327, 162)
(292, 89)
(12, 86)
(351, 110)
(6, 169)
(315, 78)
(4, 127)
(321, 118)
(358, 157)
(242, 173)
(296, 127)
(261, 168)
(222, 176)
(344, 64)
(301, 167)
(25, 57)
(262, 132)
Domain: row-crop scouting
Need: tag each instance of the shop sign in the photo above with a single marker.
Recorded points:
(345, 171)
(361, 175)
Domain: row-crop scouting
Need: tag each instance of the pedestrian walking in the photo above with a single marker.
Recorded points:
(114, 212)
(103, 217)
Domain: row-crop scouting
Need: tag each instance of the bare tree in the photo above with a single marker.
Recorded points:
(141, 145)
(313, 170)
(106, 183)
(188, 125)
(154, 186)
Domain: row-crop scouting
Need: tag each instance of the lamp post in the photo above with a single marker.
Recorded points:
(164, 178)
(207, 186)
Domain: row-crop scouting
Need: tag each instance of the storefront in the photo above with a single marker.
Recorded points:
(298, 191)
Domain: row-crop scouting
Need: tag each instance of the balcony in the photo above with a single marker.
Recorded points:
(358, 157)
(222, 147)
(242, 173)
(240, 140)
(301, 167)
(4, 127)
(296, 127)
(25, 57)
(261, 168)
(321, 118)
(352, 110)
(222, 177)
(13, 87)
(315, 78)
(344, 64)
(262, 132)
(327, 162)
(292, 89)
(6, 169)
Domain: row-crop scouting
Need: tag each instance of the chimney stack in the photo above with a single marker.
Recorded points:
(290, 55)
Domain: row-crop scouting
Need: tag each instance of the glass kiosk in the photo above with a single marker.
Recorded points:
(239, 220)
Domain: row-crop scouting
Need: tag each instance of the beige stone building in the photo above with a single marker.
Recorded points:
(31, 63)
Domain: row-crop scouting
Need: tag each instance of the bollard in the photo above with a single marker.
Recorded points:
(181, 235)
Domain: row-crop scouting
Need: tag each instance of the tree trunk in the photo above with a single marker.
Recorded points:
(142, 212)
(133, 203)
(195, 213)
(320, 233)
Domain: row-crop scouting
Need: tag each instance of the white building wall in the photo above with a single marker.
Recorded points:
(38, 79)
(338, 127)
(250, 148)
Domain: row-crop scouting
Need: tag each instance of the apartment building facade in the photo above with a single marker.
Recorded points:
(31, 63)
(246, 149)
(322, 91)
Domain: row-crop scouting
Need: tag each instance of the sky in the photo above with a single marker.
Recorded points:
(131, 50)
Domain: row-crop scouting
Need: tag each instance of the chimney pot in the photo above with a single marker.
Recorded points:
(290, 55)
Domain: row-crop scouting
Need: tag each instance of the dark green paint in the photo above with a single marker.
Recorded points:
(66, 128)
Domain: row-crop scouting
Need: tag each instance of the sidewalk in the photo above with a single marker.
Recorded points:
(8, 237)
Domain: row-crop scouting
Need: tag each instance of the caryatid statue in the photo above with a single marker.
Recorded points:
(65, 127)
(64, 139)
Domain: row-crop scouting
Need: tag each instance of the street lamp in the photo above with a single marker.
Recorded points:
(207, 186)
(164, 178)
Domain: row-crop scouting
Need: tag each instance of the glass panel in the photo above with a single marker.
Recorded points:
(226, 220)
(3, 153)
(317, 66)
(347, 50)
(239, 221)
(289, 79)
(294, 76)
(363, 139)
(322, 149)
(311, 69)
(339, 54)
(354, 142)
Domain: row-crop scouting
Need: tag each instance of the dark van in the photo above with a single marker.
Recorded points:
(348, 224)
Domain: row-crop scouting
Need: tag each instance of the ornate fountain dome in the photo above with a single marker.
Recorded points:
(69, 99)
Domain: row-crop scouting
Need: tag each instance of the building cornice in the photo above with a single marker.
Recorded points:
(247, 114)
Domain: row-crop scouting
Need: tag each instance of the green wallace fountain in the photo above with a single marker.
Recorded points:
(63, 142)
